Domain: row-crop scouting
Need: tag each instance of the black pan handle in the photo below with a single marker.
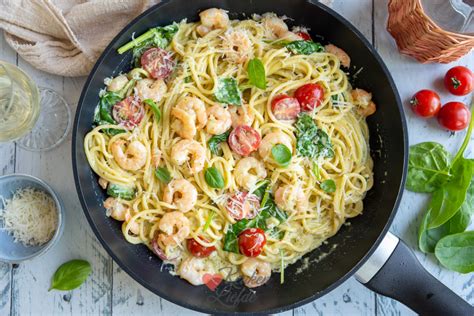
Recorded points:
(394, 271)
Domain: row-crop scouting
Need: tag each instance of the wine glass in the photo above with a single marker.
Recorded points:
(38, 119)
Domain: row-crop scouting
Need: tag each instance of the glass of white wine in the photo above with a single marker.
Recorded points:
(37, 119)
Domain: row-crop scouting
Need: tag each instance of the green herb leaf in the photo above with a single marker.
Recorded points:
(214, 141)
(256, 72)
(261, 188)
(456, 252)
(227, 91)
(70, 275)
(214, 178)
(122, 192)
(114, 131)
(281, 154)
(154, 108)
(304, 47)
(428, 167)
(106, 102)
(328, 186)
(162, 174)
(311, 141)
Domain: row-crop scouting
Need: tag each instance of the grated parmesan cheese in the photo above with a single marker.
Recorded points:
(30, 216)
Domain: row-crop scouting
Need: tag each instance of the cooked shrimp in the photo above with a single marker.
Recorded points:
(241, 115)
(193, 269)
(290, 36)
(175, 227)
(196, 108)
(340, 54)
(116, 209)
(237, 46)
(134, 227)
(256, 272)
(117, 83)
(363, 99)
(181, 193)
(103, 183)
(271, 140)
(189, 151)
(218, 120)
(156, 157)
(151, 89)
(274, 24)
(133, 158)
(184, 124)
(212, 19)
(248, 172)
(291, 198)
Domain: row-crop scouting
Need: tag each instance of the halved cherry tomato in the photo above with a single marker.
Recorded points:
(454, 116)
(285, 107)
(198, 250)
(459, 80)
(251, 242)
(244, 139)
(129, 112)
(425, 103)
(157, 250)
(158, 62)
(243, 205)
(304, 35)
(309, 96)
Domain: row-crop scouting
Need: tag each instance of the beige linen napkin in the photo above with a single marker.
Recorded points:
(65, 37)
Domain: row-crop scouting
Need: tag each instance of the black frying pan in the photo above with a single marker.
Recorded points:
(392, 270)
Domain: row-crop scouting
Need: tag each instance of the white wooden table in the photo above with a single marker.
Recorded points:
(24, 288)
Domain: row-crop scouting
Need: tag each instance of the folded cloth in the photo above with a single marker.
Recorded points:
(65, 37)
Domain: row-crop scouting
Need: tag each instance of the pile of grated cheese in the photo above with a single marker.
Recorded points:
(30, 216)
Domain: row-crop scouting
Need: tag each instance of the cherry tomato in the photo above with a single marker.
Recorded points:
(129, 112)
(198, 250)
(243, 205)
(244, 139)
(309, 96)
(304, 35)
(459, 80)
(157, 250)
(285, 107)
(425, 103)
(454, 116)
(158, 62)
(251, 242)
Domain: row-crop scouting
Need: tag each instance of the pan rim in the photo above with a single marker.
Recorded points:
(279, 309)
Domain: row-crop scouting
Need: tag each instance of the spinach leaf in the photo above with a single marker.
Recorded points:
(456, 252)
(162, 174)
(106, 102)
(214, 178)
(256, 72)
(227, 91)
(304, 47)
(281, 154)
(114, 131)
(154, 108)
(328, 186)
(214, 141)
(311, 141)
(70, 275)
(122, 192)
(428, 167)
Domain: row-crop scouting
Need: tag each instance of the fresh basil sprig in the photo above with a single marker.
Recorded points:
(227, 91)
(256, 72)
(328, 186)
(120, 191)
(281, 154)
(162, 174)
(154, 107)
(214, 178)
(214, 141)
(70, 275)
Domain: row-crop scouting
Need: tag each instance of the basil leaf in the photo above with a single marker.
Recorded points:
(162, 174)
(256, 72)
(328, 186)
(311, 141)
(154, 108)
(227, 91)
(428, 167)
(122, 192)
(304, 47)
(214, 141)
(456, 252)
(281, 154)
(70, 275)
(447, 200)
(214, 178)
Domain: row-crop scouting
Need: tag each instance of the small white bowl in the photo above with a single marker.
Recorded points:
(16, 252)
